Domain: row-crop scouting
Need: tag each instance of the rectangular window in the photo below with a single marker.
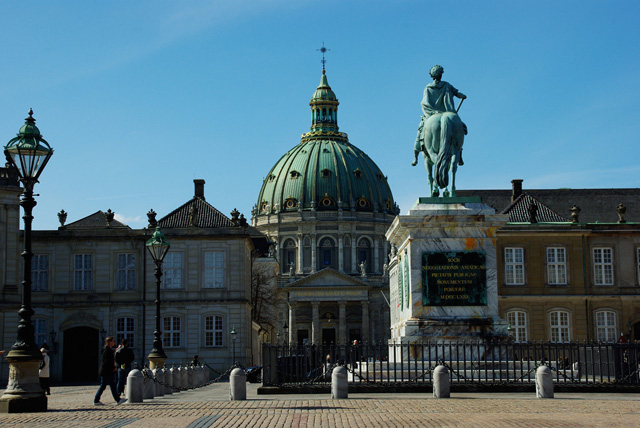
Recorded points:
(83, 272)
(213, 331)
(603, 266)
(40, 272)
(514, 266)
(518, 323)
(638, 263)
(214, 269)
(556, 266)
(40, 329)
(125, 328)
(172, 271)
(606, 326)
(126, 272)
(171, 333)
(559, 322)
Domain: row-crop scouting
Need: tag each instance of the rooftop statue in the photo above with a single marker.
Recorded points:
(440, 134)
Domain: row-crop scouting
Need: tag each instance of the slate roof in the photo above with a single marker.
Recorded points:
(207, 216)
(519, 211)
(597, 205)
(95, 221)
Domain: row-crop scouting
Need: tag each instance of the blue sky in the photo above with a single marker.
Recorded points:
(138, 98)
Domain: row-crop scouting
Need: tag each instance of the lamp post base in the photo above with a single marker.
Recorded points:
(23, 393)
(156, 362)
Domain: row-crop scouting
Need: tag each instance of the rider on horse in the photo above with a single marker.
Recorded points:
(438, 98)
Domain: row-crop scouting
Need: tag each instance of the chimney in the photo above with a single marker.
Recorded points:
(199, 185)
(516, 188)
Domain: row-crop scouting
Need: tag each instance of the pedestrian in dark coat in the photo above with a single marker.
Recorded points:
(124, 357)
(107, 373)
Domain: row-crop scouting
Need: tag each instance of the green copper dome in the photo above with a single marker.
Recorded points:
(325, 171)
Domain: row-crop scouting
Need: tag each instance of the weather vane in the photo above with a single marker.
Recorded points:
(323, 50)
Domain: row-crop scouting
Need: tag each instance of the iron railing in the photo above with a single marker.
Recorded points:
(489, 363)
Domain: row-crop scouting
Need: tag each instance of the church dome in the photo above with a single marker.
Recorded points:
(324, 171)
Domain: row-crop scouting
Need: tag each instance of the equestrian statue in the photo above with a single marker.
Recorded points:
(440, 134)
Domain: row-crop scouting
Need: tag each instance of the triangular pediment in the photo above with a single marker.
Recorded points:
(328, 277)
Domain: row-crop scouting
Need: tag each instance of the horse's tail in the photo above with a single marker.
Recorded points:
(444, 155)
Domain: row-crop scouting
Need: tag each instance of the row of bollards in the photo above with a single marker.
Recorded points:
(147, 384)
(441, 382)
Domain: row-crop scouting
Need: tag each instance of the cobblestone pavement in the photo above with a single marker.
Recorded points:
(72, 406)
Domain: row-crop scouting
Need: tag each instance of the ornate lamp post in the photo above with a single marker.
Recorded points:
(158, 246)
(28, 153)
(233, 341)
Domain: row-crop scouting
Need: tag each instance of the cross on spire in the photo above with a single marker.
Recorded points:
(323, 50)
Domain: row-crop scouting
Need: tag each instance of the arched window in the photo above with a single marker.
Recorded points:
(327, 252)
(518, 322)
(288, 255)
(364, 254)
(559, 325)
(606, 326)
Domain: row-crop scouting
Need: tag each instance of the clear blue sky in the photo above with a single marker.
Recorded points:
(138, 98)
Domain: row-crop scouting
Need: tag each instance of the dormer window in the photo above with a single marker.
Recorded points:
(380, 176)
(290, 203)
(264, 205)
(326, 201)
(295, 174)
(357, 173)
(363, 203)
(326, 173)
(272, 177)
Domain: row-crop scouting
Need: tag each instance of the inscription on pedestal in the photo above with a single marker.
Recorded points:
(456, 278)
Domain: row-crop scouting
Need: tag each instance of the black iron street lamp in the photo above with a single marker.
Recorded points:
(28, 154)
(158, 246)
(233, 341)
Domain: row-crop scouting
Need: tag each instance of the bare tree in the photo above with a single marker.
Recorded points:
(264, 293)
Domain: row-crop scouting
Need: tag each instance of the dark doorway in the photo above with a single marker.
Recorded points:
(328, 336)
(354, 334)
(636, 332)
(81, 354)
(303, 337)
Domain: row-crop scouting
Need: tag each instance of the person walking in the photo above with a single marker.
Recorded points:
(43, 372)
(107, 373)
(124, 357)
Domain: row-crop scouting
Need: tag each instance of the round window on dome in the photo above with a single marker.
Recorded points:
(326, 202)
(363, 203)
(290, 203)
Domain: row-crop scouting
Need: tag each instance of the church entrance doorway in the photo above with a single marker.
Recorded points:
(80, 355)
(328, 336)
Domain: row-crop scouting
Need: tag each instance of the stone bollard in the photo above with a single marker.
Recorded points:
(183, 378)
(134, 390)
(237, 385)
(168, 380)
(149, 385)
(201, 375)
(441, 382)
(158, 374)
(544, 382)
(191, 379)
(339, 383)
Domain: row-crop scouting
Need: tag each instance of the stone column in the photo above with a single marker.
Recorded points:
(365, 322)
(299, 264)
(354, 261)
(340, 254)
(315, 323)
(292, 322)
(342, 323)
(313, 253)
(376, 255)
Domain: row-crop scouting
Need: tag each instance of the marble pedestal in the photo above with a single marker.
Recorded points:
(23, 393)
(442, 273)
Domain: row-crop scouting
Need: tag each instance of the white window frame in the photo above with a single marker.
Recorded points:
(125, 329)
(126, 272)
(518, 320)
(83, 275)
(602, 258)
(171, 335)
(556, 258)
(172, 271)
(40, 272)
(214, 331)
(606, 325)
(559, 326)
(514, 273)
(40, 330)
(214, 269)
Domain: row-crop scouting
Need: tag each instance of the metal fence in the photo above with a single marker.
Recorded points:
(485, 363)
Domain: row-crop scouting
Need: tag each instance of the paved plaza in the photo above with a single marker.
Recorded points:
(72, 406)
